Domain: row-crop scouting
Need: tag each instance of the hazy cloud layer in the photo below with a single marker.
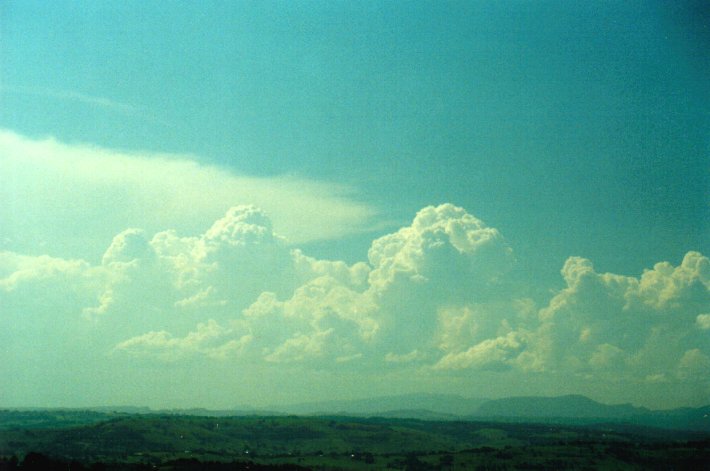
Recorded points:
(72, 198)
(433, 297)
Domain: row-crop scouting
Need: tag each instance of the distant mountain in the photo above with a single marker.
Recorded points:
(407, 405)
(583, 410)
(562, 410)
(571, 406)
(569, 409)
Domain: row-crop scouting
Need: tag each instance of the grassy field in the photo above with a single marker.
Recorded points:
(171, 442)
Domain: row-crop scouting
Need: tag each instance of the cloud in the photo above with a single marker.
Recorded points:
(463, 326)
(127, 246)
(496, 353)
(620, 325)
(414, 355)
(18, 270)
(326, 311)
(68, 199)
(323, 322)
(694, 365)
(442, 242)
(446, 257)
(384, 309)
(236, 274)
(433, 298)
(668, 287)
(67, 95)
(703, 321)
(207, 340)
(324, 319)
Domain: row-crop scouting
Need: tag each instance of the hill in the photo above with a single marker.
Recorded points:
(569, 409)
(184, 442)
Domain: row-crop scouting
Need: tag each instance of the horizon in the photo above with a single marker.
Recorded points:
(278, 202)
(327, 405)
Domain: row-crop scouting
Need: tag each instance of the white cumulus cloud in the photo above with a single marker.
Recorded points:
(433, 298)
(623, 325)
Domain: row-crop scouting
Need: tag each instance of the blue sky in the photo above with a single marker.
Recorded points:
(574, 129)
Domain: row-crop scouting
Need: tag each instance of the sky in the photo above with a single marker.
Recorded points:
(222, 204)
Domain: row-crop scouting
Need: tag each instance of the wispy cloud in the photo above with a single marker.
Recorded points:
(72, 96)
(108, 104)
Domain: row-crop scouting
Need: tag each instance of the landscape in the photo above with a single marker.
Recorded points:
(354, 234)
(566, 432)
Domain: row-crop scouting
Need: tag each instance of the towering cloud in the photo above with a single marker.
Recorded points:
(434, 297)
(646, 328)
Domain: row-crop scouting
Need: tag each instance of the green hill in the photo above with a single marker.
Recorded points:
(187, 442)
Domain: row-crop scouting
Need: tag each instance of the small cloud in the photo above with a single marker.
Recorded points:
(656, 378)
(703, 321)
(210, 340)
(348, 358)
(201, 299)
(299, 348)
(68, 95)
(694, 365)
(492, 354)
(127, 246)
(606, 356)
(414, 355)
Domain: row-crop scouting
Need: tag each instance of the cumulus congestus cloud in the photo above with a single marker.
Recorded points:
(609, 325)
(433, 297)
(328, 312)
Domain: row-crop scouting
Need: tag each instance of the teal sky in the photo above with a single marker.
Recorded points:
(575, 129)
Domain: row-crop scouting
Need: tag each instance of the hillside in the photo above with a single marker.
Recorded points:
(351, 443)
(570, 410)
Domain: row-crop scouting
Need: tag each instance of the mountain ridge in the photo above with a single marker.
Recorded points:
(569, 406)
(565, 409)
(445, 404)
